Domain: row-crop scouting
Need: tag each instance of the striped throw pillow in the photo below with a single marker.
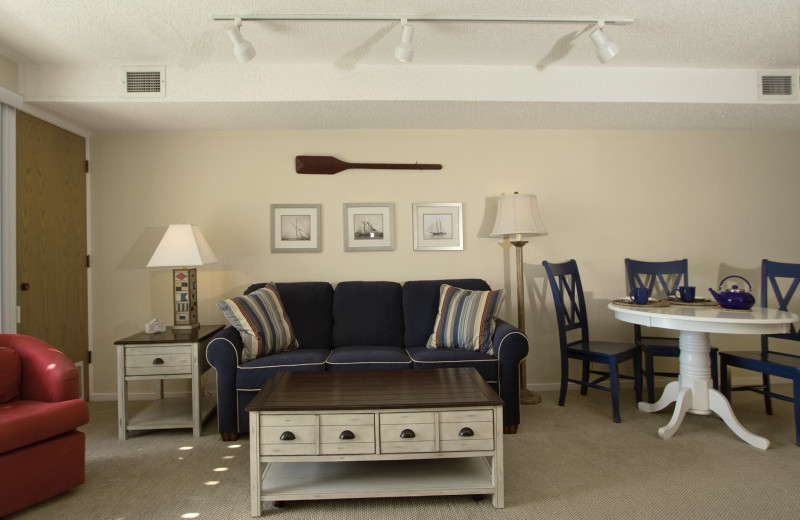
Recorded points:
(466, 319)
(261, 321)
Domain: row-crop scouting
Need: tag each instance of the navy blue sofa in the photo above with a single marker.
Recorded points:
(360, 326)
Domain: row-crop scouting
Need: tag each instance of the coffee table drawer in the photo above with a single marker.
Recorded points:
(350, 434)
(288, 434)
(413, 432)
(141, 361)
(466, 430)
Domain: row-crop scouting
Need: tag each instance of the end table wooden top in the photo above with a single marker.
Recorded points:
(374, 389)
(171, 335)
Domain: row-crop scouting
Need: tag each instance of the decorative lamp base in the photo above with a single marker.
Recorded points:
(184, 281)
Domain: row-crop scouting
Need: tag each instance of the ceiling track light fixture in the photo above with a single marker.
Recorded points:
(404, 51)
(605, 49)
(242, 49)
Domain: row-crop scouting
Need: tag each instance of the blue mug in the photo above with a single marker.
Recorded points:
(640, 295)
(686, 293)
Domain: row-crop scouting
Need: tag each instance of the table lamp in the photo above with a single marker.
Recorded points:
(183, 245)
(517, 217)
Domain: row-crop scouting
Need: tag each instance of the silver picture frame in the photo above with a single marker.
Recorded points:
(368, 226)
(296, 228)
(438, 226)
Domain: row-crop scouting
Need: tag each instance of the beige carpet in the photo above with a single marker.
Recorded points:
(568, 462)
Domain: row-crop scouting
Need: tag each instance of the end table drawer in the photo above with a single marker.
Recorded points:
(146, 361)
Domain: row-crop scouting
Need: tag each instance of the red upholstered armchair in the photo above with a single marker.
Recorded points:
(42, 453)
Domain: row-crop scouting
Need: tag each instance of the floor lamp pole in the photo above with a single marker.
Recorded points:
(525, 395)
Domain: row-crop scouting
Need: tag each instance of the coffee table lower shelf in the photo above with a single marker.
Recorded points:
(372, 479)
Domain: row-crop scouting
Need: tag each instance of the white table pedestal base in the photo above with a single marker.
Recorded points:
(693, 392)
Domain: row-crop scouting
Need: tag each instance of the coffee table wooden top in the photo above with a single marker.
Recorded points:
(374, 389)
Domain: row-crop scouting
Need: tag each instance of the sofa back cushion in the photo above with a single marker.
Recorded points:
(309, 307)
(421, 305)
(10, 375)
(368, 314)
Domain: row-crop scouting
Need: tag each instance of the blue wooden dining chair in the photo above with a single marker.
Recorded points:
(782, 279)
(573, 335)
(663, 280)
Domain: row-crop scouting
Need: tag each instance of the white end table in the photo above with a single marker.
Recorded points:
(173, 354)
(693, 392)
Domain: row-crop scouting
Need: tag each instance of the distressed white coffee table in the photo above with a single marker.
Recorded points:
(391, 433)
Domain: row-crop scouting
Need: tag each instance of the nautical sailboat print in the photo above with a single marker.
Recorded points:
(295, 227)
(368, 227)
(435, 228)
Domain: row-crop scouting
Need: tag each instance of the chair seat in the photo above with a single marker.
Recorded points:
(604, 349)
(773, 363)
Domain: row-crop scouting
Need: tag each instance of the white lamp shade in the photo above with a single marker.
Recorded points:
(518, 215)
(182, 245)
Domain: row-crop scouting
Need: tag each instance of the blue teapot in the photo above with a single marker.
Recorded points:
(734, 297)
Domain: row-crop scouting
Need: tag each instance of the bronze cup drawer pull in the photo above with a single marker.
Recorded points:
(347, 435)
(287, 436)
(407, 434)
(466, 432)
(158, 361)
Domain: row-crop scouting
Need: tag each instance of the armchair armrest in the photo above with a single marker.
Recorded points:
(47, 374)
(510, 348)
(224, 353)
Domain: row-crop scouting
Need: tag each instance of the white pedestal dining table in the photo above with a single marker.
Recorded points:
(693, 392)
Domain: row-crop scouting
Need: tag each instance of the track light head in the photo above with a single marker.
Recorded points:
(605, 49)
(404, 51)
(242, 49)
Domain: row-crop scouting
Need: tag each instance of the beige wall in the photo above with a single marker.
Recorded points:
(9, 73)
(722, 200)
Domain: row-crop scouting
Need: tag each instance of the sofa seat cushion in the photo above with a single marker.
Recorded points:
(10, 375)
(485, 364)
(378, 357)
(25, 422)
(421, 304)
(253, 374)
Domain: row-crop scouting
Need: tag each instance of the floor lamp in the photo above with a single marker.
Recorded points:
(517, 217)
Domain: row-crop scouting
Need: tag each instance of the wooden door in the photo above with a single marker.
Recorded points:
(51, 238)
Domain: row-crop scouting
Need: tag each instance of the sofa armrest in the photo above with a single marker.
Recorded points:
(510, 348)
(47, 374)
(224, 353)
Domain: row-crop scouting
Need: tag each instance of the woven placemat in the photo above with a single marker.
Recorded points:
(628, 303)
(698, 302)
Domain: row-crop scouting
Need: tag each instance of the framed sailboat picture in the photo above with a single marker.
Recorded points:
(369, 226)
(296, 228)
(438, 226)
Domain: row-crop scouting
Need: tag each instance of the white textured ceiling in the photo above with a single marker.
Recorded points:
(684, 64)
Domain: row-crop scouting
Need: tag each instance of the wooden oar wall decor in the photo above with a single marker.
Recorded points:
(326, 165)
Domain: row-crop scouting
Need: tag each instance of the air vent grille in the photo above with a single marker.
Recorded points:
(780, 85)
(143, 82)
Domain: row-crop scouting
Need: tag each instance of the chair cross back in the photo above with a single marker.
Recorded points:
(569, 298)
(771, 272)
(670, 275)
